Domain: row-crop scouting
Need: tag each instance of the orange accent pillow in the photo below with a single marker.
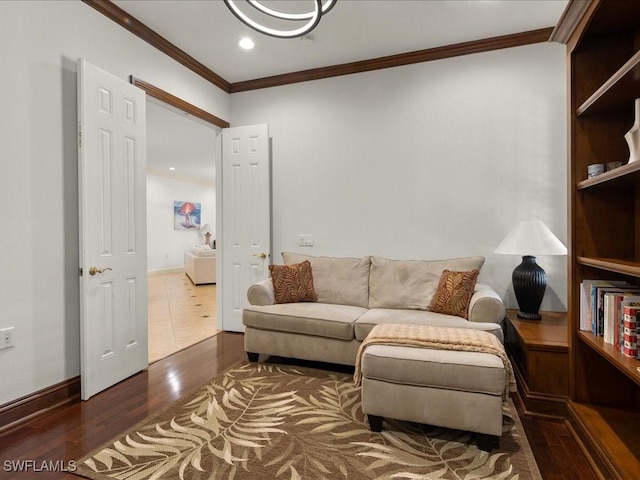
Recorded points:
(454, 293)
(293, 283)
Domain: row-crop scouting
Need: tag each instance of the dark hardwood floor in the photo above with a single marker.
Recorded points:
(69, 432)
(557, 453)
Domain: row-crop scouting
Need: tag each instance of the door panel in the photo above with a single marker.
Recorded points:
(246, 218)
(112, 185)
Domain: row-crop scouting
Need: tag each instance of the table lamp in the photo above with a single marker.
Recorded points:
(207, 231)
(530, 239)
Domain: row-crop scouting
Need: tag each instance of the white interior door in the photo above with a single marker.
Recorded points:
(113, 256)
(245, 228)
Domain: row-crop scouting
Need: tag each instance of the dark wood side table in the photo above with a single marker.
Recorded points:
(539, 353)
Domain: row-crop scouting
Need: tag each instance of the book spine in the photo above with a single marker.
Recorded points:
(594, 310)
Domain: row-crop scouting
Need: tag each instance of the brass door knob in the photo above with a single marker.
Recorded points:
(94, 270)
(261, 255)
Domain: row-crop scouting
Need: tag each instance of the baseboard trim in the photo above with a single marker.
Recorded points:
(543, 405)
(22, 410)
(596, 457)
(538, 404)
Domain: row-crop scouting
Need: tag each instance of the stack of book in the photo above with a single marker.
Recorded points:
(629, 341)
(610, 309)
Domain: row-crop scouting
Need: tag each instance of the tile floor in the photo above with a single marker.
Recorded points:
(180, 313)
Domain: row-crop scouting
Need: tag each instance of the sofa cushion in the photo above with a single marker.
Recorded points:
(411, 284)
(425, 367)
(293, 283)
(454, 293)
(319, 319)
(340, 281)
(200, 251)
(372, 317)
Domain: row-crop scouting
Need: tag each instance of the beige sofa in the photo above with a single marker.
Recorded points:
(200, 265)
(354, 294)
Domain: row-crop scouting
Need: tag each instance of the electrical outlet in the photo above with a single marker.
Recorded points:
(305, 240)
(6, 338)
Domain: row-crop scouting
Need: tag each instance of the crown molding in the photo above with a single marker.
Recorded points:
(135, 26)
(419, 56)
(571, 18)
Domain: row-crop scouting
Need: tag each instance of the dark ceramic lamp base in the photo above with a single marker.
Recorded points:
(529, 284)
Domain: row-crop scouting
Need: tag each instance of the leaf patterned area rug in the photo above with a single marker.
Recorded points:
(261, 422)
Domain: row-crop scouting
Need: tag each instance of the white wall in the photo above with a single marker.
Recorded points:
(165, 245)
(41, 42)
(432, 160)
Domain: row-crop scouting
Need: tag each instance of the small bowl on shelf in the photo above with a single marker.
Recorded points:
(611, 166)
(595, 170)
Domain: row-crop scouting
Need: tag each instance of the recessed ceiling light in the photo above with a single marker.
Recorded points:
(246, 43)
(172, 168)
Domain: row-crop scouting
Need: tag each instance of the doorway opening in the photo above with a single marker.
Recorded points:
(181, 164)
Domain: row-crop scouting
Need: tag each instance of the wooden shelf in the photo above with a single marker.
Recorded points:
(627, 365)
(626, 174)
(603, 42)
(618, 92)
(625, 267)
(615, 433)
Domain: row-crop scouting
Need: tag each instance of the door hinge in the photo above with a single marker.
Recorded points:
(80, 271)
(79, 135)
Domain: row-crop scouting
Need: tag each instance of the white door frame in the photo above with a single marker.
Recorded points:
(218, 123)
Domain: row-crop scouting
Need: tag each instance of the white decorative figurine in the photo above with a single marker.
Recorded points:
(633, 136)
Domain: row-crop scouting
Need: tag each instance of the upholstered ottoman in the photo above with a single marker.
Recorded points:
(447, 388)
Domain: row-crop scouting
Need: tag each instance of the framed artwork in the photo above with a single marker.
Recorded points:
(186, 215)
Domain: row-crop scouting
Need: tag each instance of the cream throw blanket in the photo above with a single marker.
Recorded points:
(437, 338)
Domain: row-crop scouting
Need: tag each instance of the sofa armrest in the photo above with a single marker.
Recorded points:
(261, 293)
(486, 305)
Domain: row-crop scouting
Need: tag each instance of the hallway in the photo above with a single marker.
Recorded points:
(180, 313)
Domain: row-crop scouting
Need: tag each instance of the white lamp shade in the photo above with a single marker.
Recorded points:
(206, 228)
(531, 238)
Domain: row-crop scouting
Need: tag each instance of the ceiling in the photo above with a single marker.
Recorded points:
(180, 141)
(353, 30)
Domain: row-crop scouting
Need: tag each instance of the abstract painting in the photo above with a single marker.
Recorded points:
(186, 215)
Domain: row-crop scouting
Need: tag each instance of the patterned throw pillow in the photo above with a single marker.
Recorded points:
(454, 293)
(293, 283)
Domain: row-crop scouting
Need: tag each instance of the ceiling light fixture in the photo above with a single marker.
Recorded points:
(313, 17)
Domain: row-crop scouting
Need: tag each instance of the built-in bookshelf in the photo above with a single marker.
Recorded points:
(603, 40)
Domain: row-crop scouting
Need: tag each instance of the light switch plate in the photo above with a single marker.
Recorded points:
(305, 240)
(6, 338)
